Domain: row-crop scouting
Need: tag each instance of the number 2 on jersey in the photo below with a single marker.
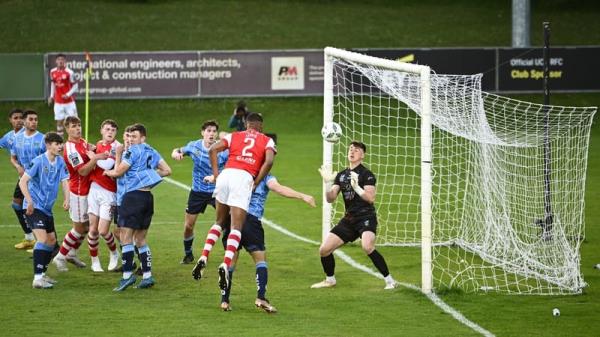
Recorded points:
(245, 150)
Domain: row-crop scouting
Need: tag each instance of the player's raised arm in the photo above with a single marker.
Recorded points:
(367, 193)
(217, 147)
(289, 192)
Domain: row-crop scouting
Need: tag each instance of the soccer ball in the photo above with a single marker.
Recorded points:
(555, 312)
(331, 132)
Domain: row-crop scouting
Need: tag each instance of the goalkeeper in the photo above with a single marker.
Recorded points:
(357, 185)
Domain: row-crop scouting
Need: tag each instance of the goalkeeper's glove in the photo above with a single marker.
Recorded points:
(328, 176)
(354, 183)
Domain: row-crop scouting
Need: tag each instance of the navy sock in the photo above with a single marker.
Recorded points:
(262, 277)
(127, 255)
(41, 257)
(328, 263)
(145, 257)
(187, 245)
(226, 293)
(20, 213)
(379, 263)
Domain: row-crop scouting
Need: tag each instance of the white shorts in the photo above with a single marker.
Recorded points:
(101, 202)
(62, 111)
(78, 207)
(234, 188)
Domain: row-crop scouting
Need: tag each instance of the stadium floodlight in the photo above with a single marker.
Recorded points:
(461, 174)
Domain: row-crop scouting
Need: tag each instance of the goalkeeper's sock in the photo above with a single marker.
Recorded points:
(213, 235)
(379, 263)
(328, 263)
(262, 276)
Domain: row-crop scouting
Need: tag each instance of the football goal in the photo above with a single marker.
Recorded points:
(491, 189)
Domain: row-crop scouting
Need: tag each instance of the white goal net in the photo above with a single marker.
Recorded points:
(507, 177)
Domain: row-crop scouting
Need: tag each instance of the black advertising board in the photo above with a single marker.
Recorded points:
(462, 61)
(238, 73)
(571, 69)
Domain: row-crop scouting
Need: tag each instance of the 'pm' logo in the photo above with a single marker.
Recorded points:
(287, 73)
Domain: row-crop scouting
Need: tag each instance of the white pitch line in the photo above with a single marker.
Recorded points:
(432, 297)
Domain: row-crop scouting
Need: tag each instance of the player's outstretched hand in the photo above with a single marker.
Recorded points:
(327, 174)
(209, 179)
(176, 154)
(309, 200)
(66, 205)
(50, 101)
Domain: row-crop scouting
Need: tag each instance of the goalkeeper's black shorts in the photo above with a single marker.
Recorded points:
(351, 228)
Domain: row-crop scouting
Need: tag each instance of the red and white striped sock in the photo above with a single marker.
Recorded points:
(213, 236)
(93, 245)
(110, 241)
(233, 242)
(71, 241)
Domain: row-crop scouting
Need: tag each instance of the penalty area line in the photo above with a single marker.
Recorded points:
(346, 258)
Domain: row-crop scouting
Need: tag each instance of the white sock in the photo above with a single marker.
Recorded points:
(147, 274)
(29, 236)
(127, 274)
(330, 279)
(389, 279)
(37, 277)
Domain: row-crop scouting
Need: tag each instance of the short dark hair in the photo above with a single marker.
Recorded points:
(138, 127)
(360, 145)
(254, 117)
(71, 120)
(109, 122)
(28, 112)
(210, 122)
(53, 137)
(61, 55)
(15, 111)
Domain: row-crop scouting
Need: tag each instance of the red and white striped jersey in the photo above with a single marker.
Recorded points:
(75, 156)
(247, 150)
(97, 174)
(62, 80)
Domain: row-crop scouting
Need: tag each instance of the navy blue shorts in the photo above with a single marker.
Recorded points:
(253, 235)
(18, 194)
(198, 201)
(40, 220)
(136, 210)
(351, 228)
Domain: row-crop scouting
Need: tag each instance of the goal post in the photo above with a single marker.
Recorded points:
(425, 102)
(461, 174)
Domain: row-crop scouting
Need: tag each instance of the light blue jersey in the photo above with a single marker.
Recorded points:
(44, 182)
(143, 161)
(259, 197)
(8, 139)
(202, 168)
(25, 148)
